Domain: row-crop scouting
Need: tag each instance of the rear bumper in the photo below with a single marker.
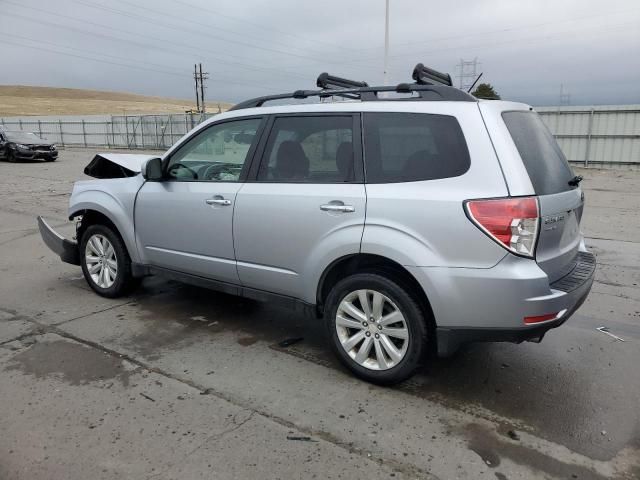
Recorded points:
(67, 250)
(491, 305)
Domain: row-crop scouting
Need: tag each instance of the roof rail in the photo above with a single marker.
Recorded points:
(425, 92)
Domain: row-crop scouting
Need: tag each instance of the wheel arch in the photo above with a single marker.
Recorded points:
(370, 263)
(95, 215)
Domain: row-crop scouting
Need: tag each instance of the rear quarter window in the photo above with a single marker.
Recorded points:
(409, 147)
(545, 163)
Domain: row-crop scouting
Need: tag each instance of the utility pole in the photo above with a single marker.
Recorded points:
(203, 76)
(195, 77)
(386, 44)
(467, 72)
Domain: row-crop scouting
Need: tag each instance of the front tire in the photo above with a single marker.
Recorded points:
(376, 328)
(11, 157)
(105, 262)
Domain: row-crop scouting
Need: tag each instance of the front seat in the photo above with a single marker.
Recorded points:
(291, 162)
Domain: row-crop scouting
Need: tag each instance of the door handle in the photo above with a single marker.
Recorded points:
(337, 207)
(218, 201)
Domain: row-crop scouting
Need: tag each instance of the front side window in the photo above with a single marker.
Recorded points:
(409, 147)
(216, 154)
(309, 149)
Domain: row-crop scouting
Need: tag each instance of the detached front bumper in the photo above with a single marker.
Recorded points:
(67, 250)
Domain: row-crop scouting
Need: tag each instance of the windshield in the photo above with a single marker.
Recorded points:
(23, 137)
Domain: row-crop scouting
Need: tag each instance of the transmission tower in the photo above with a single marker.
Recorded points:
(467, 72)
(565, 97)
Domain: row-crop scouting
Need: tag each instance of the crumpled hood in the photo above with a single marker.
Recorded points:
(116, 165)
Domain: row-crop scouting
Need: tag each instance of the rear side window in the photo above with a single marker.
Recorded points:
(309, 149)
(409, 147)
(546, 165)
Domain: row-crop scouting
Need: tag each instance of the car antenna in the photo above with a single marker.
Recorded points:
(474, 83)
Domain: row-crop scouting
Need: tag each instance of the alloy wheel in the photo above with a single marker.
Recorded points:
(101, 261)
(372, 330)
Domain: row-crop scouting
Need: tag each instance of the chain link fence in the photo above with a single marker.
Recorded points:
(118, 131)
(596, 136)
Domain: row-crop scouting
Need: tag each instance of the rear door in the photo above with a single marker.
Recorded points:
(305, 206)
(561, 204)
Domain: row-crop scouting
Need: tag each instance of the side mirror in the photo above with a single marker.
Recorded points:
(152, 170)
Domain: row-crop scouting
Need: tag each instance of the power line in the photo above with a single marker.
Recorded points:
(178, 73)
(182, 75)
(503, 30)
(499, 43)
(217, 37)
(208, 26)
(93, 33)
(261, 26)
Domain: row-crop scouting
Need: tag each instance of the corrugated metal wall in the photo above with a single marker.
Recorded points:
(598, 135)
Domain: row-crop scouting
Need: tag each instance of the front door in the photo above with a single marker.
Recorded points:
(305, 207)
(184, 223)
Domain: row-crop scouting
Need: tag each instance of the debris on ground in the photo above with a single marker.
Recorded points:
(290, 341)
(606, 331)
(513, 435)
(300, 439)
(147, 397)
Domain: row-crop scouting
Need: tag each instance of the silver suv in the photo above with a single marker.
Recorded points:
(411, 219)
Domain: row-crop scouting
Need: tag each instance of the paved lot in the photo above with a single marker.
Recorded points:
(180, 382)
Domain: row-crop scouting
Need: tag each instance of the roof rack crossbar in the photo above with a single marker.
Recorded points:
(425, 92)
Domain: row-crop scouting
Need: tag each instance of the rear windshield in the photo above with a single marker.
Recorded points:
(546, 165)
(408, 147)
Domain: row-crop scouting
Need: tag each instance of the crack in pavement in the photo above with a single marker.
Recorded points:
(215, 436)
(397, 466)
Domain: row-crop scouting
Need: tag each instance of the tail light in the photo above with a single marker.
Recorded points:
(512, 222)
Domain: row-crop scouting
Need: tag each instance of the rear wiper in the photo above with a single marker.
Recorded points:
(575, 181)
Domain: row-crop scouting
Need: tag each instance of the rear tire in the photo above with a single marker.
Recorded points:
(105, 262)
(376, 328)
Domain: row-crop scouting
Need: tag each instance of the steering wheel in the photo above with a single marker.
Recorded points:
(212, 172)
(173, 167)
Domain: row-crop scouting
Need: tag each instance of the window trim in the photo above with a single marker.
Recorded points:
(466, 145)
(247, 163)
(356, 133)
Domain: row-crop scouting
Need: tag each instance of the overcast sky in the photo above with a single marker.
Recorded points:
(526, 49)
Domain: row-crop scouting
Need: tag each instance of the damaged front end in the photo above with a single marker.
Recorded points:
(67, 250)
(90, 197)
(116, 165)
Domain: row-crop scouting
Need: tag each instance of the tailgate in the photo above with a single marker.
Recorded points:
(560, 236)
(560, 203)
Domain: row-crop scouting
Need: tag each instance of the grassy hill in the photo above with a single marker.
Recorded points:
(17, 100)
